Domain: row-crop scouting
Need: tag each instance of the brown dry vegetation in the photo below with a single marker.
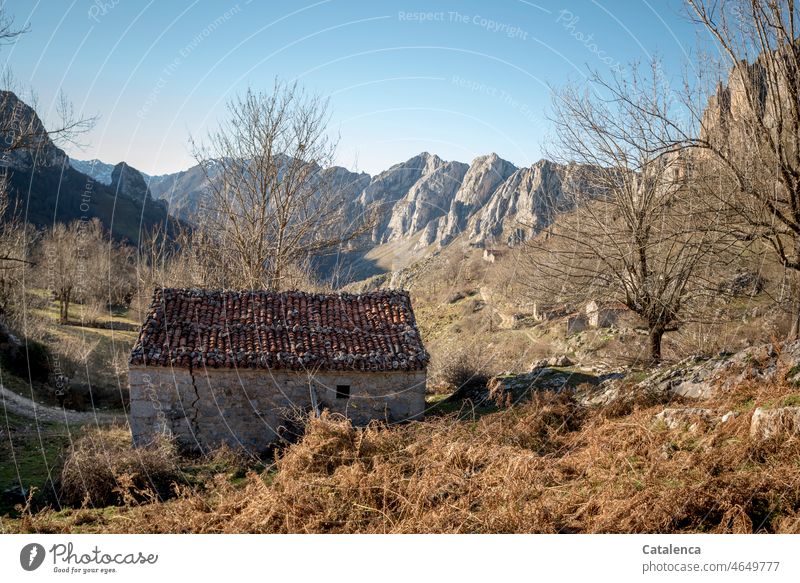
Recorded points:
(102, 469)
(549, 465)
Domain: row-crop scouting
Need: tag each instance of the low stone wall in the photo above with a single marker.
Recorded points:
(250, 408)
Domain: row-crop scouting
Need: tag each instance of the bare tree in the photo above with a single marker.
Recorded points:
(15, 240)
(108, 278)
(8, 30)
(60, 264)
(18, 129)
(749, 134)
(638, 234)
(271, 204)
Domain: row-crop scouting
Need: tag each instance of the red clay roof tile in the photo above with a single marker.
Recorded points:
(196, 328)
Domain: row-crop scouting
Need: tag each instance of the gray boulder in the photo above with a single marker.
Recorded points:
(780, 422)
(691, 418)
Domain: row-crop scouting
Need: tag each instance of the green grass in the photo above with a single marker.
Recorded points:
(32, 458)
(89, 356)
(80, 312)
(636, 377)
(791, 401)
(746, 405)
(439, 406)
(793, 376)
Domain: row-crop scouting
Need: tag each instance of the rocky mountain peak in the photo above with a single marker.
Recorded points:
(25, 141)
(484, 176)
(129, 182)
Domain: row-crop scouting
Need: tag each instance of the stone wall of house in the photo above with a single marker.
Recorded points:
(251, 408)
(576, 323)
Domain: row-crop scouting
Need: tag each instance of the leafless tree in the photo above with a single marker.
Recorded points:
(638, 234)
(271, 204)
(80, 263)
(108, 278)
(15, 240)
(749, 134)
(60, 264)
(8, 30)
(18, 129)
(22, 131)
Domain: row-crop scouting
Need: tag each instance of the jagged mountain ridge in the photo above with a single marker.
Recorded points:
(490, 200)
(96, 169)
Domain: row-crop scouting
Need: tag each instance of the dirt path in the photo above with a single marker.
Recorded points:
(24, 407)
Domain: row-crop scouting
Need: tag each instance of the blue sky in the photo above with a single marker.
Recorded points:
(457, 78)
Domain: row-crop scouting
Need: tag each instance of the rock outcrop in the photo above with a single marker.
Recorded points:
(129, 182)
(481, 181)
(490, 200)
(429, 198)
(779, 422)
(527, 202)
(690, 418)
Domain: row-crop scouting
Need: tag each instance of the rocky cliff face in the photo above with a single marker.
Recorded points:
(490, 200)
(428, 199)
(485, 175)
(754, 90)
(129, 182)
(527, 202)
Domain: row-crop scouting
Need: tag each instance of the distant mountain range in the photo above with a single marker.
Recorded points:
(490, 200)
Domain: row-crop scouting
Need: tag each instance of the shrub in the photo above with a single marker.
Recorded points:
(460, 370)
(32, 356)
(103, 468)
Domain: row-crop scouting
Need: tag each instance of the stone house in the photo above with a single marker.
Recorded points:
(576, 322)
(545, 313)
(492, 255)
(213, 367)
(604, 314)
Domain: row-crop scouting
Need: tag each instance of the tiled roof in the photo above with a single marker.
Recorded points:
(196, 328)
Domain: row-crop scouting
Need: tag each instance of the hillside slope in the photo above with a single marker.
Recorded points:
(46, 189)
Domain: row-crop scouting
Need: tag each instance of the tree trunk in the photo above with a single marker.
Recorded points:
(794, 329)
(794, 317)
(656, 334)
(63, 301)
